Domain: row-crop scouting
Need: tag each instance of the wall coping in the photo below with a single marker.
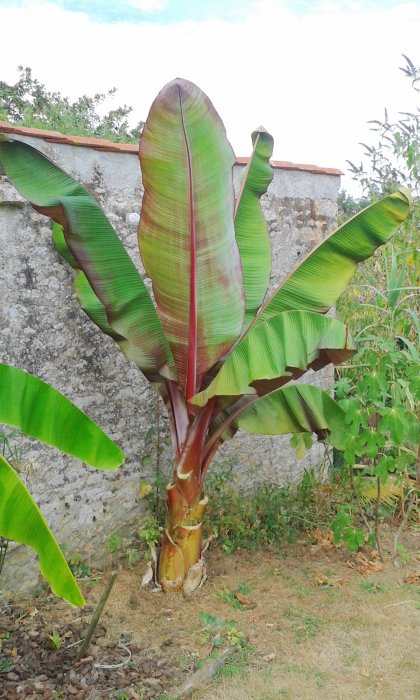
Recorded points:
(105, 145)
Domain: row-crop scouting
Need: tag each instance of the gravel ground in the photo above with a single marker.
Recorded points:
(31, 669)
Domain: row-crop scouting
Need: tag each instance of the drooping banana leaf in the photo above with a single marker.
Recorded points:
(317, 282)
(289, 341)
(40, 411)
(299, 408)
(22, 521)
(96, 311)
(60, 244)
(96, 250)
(250, 224)
(186, 233)
(84, 292)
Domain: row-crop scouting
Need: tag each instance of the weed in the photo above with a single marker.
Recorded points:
(372, 586)
(219, 630)
(303, 625)
(122, 695)
(132, 556)
(402, 553)
(5, 665)
(271, 515)
(186, 660)
(78, 567)
(380, 395)
(232, 598)
(237, 662)
(149, 532)
(343, 529)
(55, 640)
(124, 548)
(351, 657)
(311, 673)
(113, 542)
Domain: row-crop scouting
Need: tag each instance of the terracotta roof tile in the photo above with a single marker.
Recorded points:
(105, 145)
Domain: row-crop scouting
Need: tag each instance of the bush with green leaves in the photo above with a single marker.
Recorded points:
(392, 160)
(270, 516)
(28, 102)
(380, 395)
(379, 389)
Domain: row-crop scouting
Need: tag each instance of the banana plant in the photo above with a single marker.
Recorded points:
(38, 410)
(219, 353)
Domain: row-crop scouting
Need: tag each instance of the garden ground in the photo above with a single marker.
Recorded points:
(314, 621)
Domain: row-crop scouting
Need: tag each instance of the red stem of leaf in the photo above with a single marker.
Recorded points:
(192, 455)
(192, 339)
(213, 439)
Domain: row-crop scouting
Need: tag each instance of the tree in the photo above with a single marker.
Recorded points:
(393, 160)
(42, 412)
(29, 103)
(218, 354)
(380, 388)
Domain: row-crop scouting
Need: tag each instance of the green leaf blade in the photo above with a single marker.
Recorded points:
(317, 282)
(284, 346)
(40, 411)
(299, 408)
(22, 521)
(251, 226)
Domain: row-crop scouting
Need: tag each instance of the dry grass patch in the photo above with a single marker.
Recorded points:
(306, 625)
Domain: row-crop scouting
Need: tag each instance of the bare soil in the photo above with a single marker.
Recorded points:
(314, 622)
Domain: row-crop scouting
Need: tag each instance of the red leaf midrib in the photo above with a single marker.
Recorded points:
(191, 364)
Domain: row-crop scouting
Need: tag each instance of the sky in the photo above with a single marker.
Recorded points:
(312, 72)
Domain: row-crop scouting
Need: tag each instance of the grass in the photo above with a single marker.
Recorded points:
(372, 586)
(303, 625)
(229, 596)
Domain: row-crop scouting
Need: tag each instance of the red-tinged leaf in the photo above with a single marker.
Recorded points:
(112, 291)
(186, 233)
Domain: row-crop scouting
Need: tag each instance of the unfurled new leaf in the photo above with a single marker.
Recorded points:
(250, 224)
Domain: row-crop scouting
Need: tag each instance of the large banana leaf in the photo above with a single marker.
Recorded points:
(22, 521)
(96, 250)
(250, 224)
(289, 341)
(186, 233)
(317, 282)
(60, 244)
(40, 411)
(84, 292)
(299, 408)
(97, 312)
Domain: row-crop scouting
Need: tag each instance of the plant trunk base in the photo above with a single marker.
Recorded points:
(181, 565)
(194, 578)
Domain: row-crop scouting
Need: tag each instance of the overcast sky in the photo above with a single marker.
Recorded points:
(311, 71)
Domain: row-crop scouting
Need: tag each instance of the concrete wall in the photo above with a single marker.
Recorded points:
(43, 330)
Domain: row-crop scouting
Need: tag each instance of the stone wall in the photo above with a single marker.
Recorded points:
(44, 331)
